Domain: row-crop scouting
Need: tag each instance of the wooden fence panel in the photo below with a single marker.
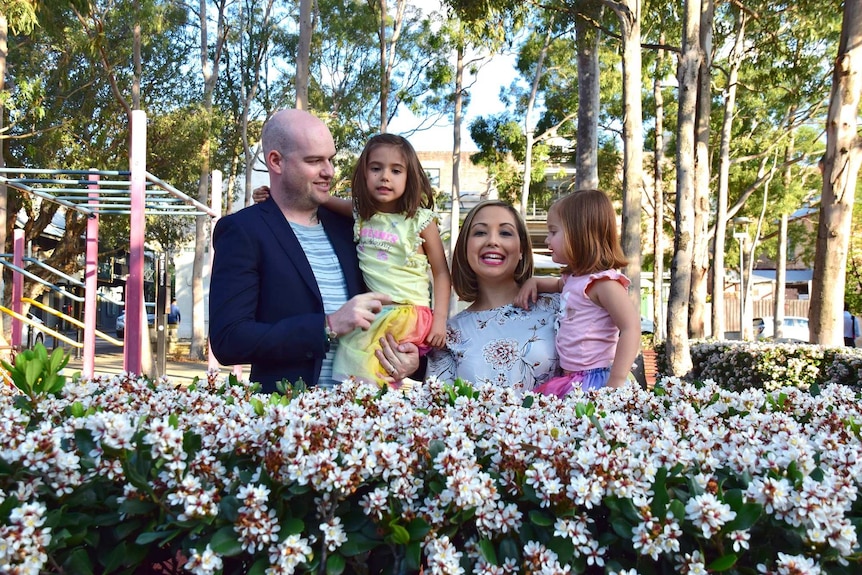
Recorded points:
(760, 308)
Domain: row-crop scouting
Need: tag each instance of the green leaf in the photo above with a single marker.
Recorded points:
(259, 567)
(723, 563)
(660, 495)
(528, 401)
(79, 562)
(149, 537)
(541, 519)
(76, 409)
(414, 556)
(418, 529)
(746, 516)
(136, 507)
(32, 373)
(356, 544)
(678, 509)
(225, 542)
(335, 564)
(486, 549)
(622, 528)
(114, 557)
(257, 404)
(399, 535)
(509, 550)
(292, 526)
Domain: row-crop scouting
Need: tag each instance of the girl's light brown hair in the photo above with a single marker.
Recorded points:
(463, 277)
(591, 242)
(418, 192)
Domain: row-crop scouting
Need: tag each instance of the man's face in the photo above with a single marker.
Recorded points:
(307, 169)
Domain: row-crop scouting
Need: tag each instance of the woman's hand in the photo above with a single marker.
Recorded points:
(398, 360)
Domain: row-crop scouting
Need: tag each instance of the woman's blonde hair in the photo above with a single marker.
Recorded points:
(591, 242)
(464, 279)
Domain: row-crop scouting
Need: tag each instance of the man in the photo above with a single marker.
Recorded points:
(851, 327)
(174, 315)
(285, 279)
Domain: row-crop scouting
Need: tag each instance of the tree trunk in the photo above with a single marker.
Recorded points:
(210, 68)
(303, 54)
(587, 141)
(840, 169)
(528, 127)
(4, 213)
(658, 202)
(633, 146)
(720, 236)
(455, 219)
(700, 253)
(677, 349)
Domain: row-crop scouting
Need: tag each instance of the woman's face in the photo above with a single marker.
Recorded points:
(493, 245)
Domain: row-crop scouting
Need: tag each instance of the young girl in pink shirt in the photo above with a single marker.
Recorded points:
(599, 333)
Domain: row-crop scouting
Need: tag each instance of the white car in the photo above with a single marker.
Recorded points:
(793, 329)
(121, 322)
(647, 325)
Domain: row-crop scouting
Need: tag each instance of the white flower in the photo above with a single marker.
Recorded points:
(204, 563)
(708, 513)
(333, 534)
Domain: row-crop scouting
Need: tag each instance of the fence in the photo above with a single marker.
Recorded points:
(761, 308)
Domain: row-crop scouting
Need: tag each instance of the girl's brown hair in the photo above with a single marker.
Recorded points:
(418, 192)
(463, 277)
(591, 242)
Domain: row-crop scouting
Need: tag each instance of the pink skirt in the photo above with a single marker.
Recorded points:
(587, 379)
(355, 354)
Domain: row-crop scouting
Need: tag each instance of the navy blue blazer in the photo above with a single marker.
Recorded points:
(265, 307)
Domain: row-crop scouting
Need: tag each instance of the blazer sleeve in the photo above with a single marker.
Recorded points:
(247, 323)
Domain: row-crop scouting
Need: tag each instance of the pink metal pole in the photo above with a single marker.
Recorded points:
(133, 350)
(216, 207)
(91, 285)
(17, 285)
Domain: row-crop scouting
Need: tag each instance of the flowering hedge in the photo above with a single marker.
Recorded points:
(108, 474)
(771, 366)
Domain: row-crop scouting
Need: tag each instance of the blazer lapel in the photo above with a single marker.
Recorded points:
(283, 233)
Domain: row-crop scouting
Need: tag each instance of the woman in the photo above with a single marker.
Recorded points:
(493, 341)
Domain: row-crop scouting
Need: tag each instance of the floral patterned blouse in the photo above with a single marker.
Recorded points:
(506, 346)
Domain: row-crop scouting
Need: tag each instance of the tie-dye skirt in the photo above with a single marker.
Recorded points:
(355, 354)
(587, 379)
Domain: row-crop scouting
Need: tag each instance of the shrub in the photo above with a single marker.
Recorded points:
(115, 473)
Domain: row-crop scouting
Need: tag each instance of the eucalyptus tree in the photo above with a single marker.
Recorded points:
(19, 16)
(212, 43)
(840, 171)
(678, 350)
(770, 74)
(248, 52)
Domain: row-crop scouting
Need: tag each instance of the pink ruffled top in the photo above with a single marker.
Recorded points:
(586, 337)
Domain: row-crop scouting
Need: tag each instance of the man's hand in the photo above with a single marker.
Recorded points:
(398, 360)
(358, 312)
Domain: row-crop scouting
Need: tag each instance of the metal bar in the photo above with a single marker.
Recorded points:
(50, 286)
(55, 271)
(69, 172)
(70, 319)
(45, 196)
(41, 327)
(202, 207)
